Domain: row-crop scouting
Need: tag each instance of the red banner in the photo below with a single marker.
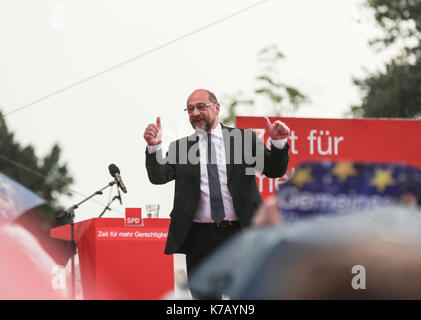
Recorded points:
(366, 140)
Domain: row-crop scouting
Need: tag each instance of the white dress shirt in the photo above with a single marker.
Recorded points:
(203, 212)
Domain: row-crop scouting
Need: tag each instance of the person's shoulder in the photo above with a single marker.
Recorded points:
(243, 131)
(223, 126)
(231, 128)
(236, 132)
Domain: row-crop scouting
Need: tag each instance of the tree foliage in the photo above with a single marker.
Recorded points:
(271, 92)
(395, 92)
(45, 176)
(400, 21)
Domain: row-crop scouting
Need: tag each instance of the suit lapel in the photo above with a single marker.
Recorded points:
(191, 141)
(229, 150)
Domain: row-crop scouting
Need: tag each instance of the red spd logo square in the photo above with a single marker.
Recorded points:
(133, 217)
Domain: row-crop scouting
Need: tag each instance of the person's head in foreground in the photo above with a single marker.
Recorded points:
(373, 254)
(367, 255)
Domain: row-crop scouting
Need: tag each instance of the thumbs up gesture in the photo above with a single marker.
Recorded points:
(277, 130)
(153, 133)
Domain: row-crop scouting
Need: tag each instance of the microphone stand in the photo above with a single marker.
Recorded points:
(70, 213)
(115, 197)
(108, 205)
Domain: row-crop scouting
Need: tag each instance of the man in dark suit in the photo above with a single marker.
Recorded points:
(215, 186)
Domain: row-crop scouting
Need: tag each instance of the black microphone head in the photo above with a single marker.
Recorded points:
(113, 169)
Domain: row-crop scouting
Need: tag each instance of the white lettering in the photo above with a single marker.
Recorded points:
(324, 145)
(183, 310)
(337, 140)
(311, 138)
(292, 137)
(358, 281)
(261, 178)
(102, 234)
(291, 199)
(58, 17)
(319, 147)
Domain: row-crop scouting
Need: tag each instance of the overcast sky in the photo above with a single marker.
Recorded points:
(90, 75)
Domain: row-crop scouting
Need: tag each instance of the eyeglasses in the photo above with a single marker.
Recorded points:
(199, 106)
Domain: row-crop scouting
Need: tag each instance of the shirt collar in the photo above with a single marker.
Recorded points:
(216, 132)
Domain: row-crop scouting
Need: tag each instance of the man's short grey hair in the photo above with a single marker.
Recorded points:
(212, 97)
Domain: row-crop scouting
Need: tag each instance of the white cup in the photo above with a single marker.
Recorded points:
(152, 211)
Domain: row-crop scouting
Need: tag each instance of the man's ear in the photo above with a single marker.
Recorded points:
(217, 106)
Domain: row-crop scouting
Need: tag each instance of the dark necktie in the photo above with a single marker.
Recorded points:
(216, 202)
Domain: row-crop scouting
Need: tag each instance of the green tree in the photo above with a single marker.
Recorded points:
(272, 97)
(396, 91)
(45, 176)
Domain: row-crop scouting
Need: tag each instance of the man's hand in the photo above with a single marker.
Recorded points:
(277, 130)
(267, 214)
(153, 133)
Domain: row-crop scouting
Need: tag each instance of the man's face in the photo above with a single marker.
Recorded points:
(203, 119)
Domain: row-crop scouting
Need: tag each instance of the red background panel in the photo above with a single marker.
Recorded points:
(367, 140)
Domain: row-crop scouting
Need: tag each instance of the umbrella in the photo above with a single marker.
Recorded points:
(15, 199)
(315, 259)
(330, 187)
(25, 268)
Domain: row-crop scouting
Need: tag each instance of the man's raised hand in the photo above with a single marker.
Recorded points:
(277, 130)
(153, 133)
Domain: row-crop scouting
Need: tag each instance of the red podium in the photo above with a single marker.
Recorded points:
(122, 262)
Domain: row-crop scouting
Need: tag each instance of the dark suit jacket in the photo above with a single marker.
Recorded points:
(243, 188)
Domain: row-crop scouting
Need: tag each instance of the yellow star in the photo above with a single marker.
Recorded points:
(382, 178)
(344, 170)
(301, 177)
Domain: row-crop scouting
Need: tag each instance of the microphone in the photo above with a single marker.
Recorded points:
(115, 172)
